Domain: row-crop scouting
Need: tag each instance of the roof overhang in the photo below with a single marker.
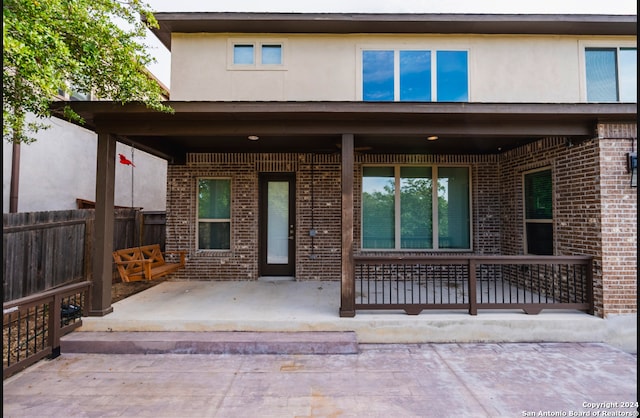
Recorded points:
(415, 23)
(316, 127)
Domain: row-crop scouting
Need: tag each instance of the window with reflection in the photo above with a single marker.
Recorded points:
(214, 214)
(415, 208)
(538, 212)
(611, 74)
(415, 75)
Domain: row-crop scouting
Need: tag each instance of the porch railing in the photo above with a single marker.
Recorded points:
(32, 326)
(530, 283)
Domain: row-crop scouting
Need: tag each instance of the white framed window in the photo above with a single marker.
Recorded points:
(214, 213)
(249, 54)
(416, 207)
(609, 72)
(416, 75)
(537, 188)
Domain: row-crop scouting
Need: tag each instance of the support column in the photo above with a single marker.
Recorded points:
(347, 288)
(103, 229)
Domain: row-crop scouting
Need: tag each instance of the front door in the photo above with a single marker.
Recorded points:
(277, 224)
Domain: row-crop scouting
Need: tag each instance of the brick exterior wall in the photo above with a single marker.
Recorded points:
(240, 263)
(619, 220)
(595, 209)
(319, 207)
(576, 200)
(321, 211)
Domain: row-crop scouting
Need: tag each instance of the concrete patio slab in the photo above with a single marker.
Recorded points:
(305, 306)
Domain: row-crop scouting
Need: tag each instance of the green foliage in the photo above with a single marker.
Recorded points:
(51, 45)
(416, 213)
(214, 199)
(378, 211)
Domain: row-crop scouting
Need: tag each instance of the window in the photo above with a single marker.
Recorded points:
(74, 95)
(538, 212)
(415, 75)
(243, 55)
(271, 54)
(453, 85)
(611, 74)
(400, 210)
(214, 214)
(79, 96)
(256, 55)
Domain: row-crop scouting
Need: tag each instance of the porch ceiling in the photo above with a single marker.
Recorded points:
(462, 128)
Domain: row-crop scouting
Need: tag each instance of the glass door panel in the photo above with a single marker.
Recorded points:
(278, 222)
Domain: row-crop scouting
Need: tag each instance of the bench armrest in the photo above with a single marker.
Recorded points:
(146, 266)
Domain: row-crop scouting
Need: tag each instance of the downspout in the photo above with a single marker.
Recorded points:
(17, 129)
(15, 177)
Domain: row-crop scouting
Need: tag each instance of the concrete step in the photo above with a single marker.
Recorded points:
(215, 342)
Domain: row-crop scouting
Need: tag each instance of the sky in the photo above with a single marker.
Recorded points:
(161, 69)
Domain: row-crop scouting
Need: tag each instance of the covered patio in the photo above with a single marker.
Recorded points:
(345, 130)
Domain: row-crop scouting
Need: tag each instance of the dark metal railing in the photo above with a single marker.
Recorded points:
(530, 283)
(32, 326)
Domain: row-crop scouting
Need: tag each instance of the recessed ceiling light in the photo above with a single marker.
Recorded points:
(432, 138)
(253, 137)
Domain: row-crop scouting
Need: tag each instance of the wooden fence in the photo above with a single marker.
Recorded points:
(44, 250)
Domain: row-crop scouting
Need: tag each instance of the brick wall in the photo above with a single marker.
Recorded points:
(576, 199)
(316, 258)
(318, 207)
(240, 263)
(619, 219)
(595, 209)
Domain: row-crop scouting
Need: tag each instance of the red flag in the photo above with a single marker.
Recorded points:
(125, 161)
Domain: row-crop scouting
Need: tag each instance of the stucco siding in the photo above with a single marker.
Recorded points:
(60, 167)
(536, 69)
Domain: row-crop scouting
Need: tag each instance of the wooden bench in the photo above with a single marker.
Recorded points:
(145, 263)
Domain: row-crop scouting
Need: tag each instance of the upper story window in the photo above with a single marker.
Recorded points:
(416, 208)
(611, 74)
(256, 55)
(415, 75)
(271, 55)
(243, 54)
(75, 95)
